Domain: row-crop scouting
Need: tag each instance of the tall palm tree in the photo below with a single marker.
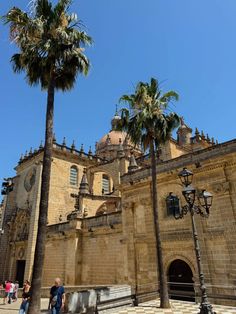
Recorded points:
(148, 121)
(51, 46)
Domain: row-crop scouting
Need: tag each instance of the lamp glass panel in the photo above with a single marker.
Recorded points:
(186, 177)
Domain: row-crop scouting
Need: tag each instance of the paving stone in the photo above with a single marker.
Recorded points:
(177, 307)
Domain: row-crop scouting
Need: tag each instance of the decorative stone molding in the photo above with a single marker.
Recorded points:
(145, 201)
(220, 187)
(127, 205)
(178, 235)
(21, 253)
(184, 257)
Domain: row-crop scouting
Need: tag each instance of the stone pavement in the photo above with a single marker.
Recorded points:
(177, 307)
(14, 307)
(151, 307)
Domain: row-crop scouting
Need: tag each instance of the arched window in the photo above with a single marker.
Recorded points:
(105, 184)
(73, 175)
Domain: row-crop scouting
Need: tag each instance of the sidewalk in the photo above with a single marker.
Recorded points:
(151, 307)
(177, 307)
(14, 307)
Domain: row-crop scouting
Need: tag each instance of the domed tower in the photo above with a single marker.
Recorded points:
(184, 134)
(116, 143)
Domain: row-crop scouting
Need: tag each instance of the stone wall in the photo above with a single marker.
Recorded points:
(87, 253)
(102, 259)
(217, 234)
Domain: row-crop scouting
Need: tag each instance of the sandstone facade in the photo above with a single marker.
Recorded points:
(100, 221)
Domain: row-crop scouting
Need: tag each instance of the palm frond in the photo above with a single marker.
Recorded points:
(49, 43)
(145, 120)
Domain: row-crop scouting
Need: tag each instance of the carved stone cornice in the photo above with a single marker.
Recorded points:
(213, 232)
(178, 235)
(186, 160)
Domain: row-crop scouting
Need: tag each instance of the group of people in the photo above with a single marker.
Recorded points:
(11, 291)
(56, 300)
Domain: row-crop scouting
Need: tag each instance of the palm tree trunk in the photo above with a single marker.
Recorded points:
(34, 307)
(164, 297)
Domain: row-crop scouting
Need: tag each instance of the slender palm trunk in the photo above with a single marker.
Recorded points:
(34, 307)
(164, 297)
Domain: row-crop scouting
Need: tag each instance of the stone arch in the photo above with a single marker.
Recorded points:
(107, 207)
(190, 261)
(181, 278)
(97, 178)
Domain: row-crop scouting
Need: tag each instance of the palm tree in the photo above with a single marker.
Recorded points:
(51, 53)
(148, 121)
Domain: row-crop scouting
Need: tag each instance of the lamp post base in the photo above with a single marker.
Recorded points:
(206, 308)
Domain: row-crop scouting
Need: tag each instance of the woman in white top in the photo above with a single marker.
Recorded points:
(11, 292)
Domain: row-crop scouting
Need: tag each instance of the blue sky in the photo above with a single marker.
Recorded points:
(189, 45)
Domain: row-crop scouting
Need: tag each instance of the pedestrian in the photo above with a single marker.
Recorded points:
(7, 292)
(57, 297)
(26, 293)
(15, 295)
(11, 293)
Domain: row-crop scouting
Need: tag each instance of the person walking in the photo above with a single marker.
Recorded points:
(7, 292)
(25, 298)
(57, 297)
(15, 295)
(11, 292)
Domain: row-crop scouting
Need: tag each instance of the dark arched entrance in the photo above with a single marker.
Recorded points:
(180, 278)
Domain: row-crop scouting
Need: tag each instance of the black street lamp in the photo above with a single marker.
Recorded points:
(205, 201)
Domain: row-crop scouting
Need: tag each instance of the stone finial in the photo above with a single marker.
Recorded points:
(115, 120)
(81, 151)
(64, 142)
(197, 135)
(208, 139)
(132, 163)
(72, 148)
(84, 186)
(120, 151)
(31, 151)
(54, 139)
(108, 140)
(203, 136)
(90, 151)
(21, 158)
(26, 154)
(35, 151)
(41, 145)
(212, 141)
(217, 142)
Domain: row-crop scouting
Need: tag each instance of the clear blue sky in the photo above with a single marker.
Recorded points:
(190, 45)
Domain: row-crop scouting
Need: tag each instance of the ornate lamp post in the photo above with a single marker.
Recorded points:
(205, 201)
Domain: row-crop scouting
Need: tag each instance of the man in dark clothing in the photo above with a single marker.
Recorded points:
(57, 297)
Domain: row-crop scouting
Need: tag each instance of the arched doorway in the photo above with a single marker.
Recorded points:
(180, 278)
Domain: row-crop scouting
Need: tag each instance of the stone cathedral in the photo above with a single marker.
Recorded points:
(100, 221)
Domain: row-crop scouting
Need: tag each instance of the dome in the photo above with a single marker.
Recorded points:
(113, 138)
(114, 142)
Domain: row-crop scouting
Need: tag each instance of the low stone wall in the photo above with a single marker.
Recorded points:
(45, 291)
(86, 301)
